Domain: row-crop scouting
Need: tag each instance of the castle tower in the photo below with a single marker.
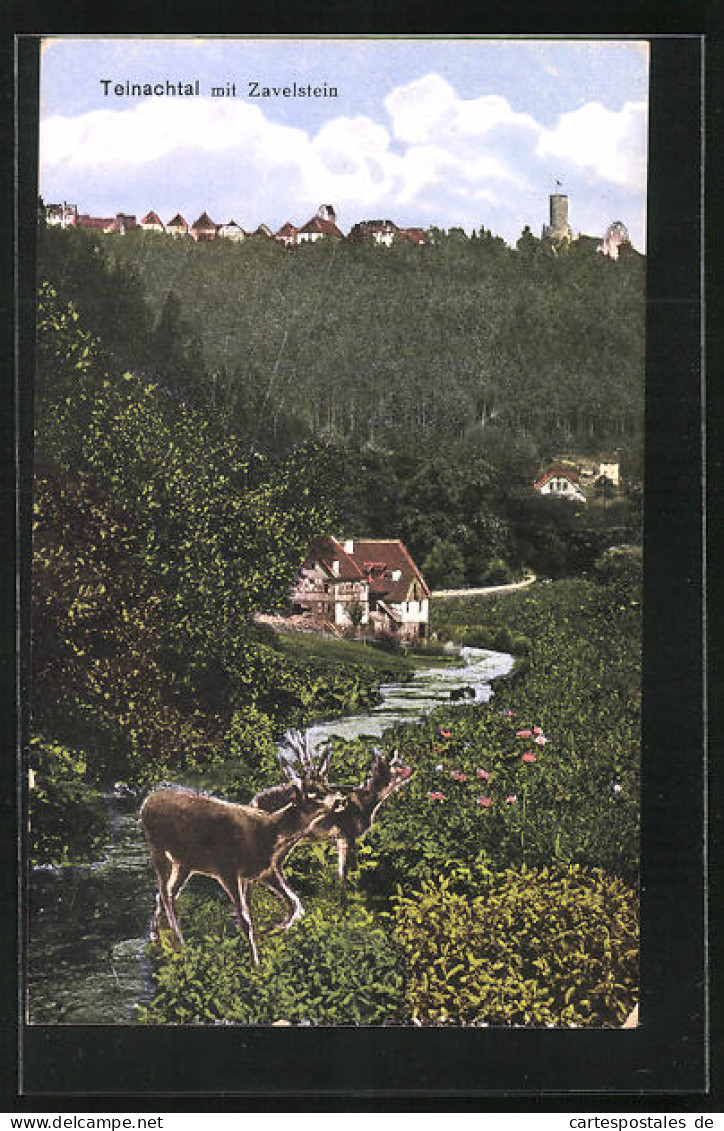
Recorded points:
(559, 227)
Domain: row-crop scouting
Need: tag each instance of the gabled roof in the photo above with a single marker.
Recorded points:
(379, 559)
(287, 229)
(557, 473)
(328, 550)
(323, 227)
(263, 230)
(177, 222)
(204, 221)
(151, 218)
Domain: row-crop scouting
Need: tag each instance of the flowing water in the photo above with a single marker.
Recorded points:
(88, 924)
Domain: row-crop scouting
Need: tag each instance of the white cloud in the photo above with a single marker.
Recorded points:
(435, 158)
(611, 143)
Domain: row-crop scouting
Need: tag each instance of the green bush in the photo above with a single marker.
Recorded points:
(324, 971)
(67, 820)
(555, 947)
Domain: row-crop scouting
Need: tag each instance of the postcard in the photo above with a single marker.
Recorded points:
(337, 535)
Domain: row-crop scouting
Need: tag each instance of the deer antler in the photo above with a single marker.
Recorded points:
(303, 763)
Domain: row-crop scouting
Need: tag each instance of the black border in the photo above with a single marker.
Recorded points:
(102, 1068)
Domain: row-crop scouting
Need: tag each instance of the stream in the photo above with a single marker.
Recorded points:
(88, 924)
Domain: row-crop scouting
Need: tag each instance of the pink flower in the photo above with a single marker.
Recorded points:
(511, 799)
(445, 733)
(537, 730)
(486, 802)
(523, 733)
(540, 739)
(483, 774)
(436, 796)
(458, 775)
(529, 756)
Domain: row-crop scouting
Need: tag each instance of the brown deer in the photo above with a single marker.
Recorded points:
(190, 832)
(350, 821)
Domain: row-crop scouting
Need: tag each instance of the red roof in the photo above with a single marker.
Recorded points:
(329, 550)
(151, 218)
(287, 229)
(85, 221)
(177, 222)
(556, 473)
(204, 222)
(379, 558)
(323, 227)
(414, 235)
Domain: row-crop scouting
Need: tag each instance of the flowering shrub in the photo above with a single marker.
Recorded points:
(554, 947)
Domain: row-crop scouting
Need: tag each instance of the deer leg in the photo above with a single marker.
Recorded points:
(275, 881)
(244, 919)
(236, 889)
(346, 857)
(171, 875)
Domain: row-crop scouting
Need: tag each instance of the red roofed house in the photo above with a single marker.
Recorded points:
(323, 224)
(203, 230)
(177, 226)
(100, 223)
(414, 235)
(560, 483)
(152, 222)
(377, 574)
(287, 235)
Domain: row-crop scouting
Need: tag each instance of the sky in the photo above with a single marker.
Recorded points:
(450, 132)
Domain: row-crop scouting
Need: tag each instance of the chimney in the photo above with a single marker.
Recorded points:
(349, 545)
(335, 567)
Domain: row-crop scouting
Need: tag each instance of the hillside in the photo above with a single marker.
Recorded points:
(373, 345)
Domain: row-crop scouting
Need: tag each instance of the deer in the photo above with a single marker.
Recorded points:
(349, 822)
(189, 833)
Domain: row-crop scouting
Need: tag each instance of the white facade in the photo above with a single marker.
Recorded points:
(561, 487)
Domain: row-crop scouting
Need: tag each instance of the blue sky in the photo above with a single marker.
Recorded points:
(465, 132)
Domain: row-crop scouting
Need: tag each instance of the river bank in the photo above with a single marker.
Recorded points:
(88, 923)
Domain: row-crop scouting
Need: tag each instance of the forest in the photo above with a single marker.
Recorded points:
(444, 377)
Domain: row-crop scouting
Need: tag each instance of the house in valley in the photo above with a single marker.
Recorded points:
(178, 226)
(609, 468)
(371, 583)
(152, 222)
(203, 230)
(560, 483)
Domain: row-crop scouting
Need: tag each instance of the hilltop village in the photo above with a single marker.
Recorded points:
(322, 225)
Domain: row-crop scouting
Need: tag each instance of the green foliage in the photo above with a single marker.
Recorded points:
(444, 566)
(577, 800)
(101, 674)
(325, 971)
(67, 819)
(550, 947)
